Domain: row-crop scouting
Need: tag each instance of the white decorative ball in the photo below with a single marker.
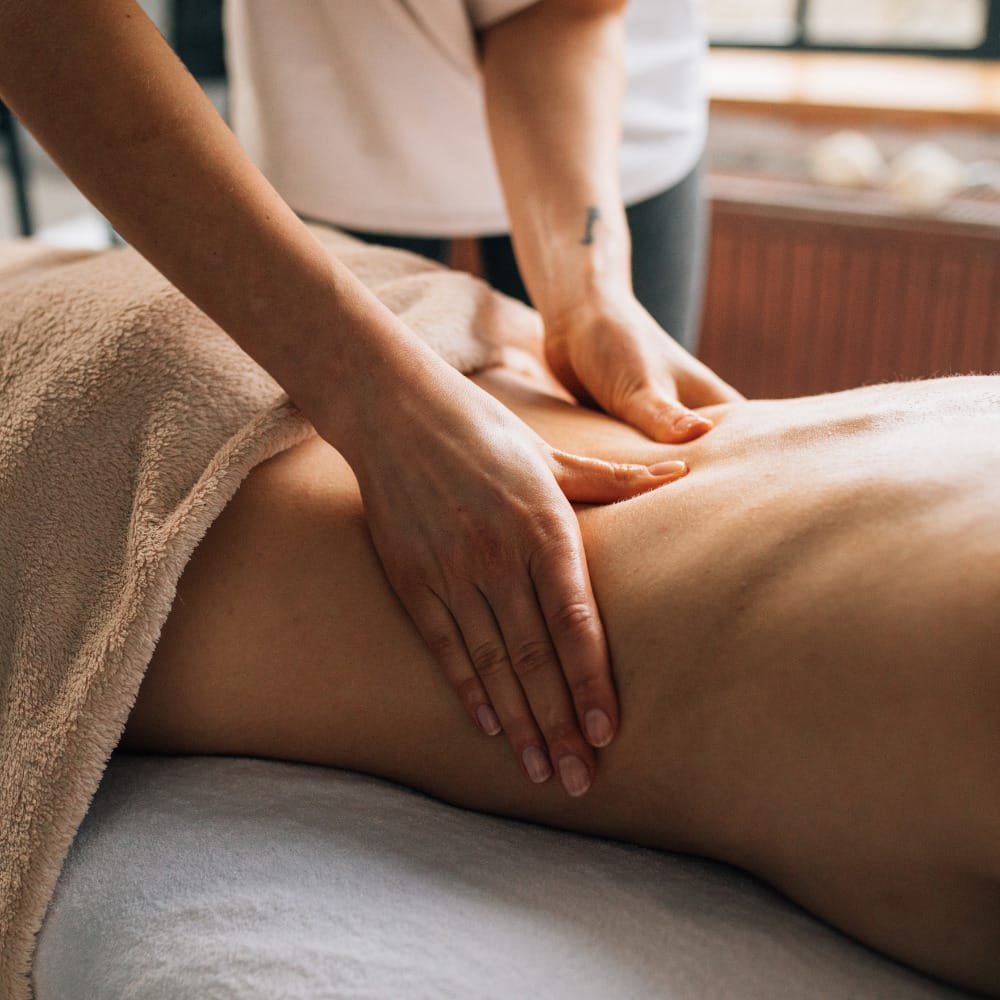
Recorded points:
(925, 177)
(847, 159)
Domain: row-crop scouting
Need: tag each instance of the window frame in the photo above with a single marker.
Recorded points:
(989, 49)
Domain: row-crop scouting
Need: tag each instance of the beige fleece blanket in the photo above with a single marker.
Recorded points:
(127, 422)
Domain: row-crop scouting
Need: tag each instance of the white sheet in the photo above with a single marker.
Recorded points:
(218, 878)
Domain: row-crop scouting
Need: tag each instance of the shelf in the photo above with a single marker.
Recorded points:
(782, 198)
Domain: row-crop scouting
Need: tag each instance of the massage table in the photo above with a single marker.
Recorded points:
(213, 877)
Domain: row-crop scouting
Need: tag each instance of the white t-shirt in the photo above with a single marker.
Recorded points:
(369, 113)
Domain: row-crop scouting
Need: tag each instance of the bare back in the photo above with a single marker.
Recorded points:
(803, 632)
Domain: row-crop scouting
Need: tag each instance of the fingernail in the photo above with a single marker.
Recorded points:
(574, 776)
(689, 421)
(537, 765)
(488, 720)
(667, 468)
(598, 727)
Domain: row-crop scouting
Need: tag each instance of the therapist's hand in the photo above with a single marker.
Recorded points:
(610, 352)
(469, 512)
(554, 76)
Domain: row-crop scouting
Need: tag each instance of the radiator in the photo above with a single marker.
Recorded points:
(811, 292)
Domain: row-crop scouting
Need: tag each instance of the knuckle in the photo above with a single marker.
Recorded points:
(492, 552)
(489, 659)
(624, 474)
(665, 416)
(470, 693)
(554, 540)
(440, 641)
(629, 386)
(553, 521)
(407, 580)
(575, 618)
(532, 656)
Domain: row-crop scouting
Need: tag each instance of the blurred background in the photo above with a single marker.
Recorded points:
(854, 176)
(854, 153)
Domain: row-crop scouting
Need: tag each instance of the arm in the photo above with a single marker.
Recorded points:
(97, 85)
(554, 79)
(467, 507)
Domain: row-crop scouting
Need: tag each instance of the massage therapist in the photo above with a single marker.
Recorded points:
(469, 510)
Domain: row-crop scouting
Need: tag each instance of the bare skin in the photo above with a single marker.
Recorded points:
(127, 123)
(803, 631)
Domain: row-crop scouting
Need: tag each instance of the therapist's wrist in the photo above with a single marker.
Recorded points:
(340, 353)
(388, 377)
(589, 263)
(616, 304)
(588, 296)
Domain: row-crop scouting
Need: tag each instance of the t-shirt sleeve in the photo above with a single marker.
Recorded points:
(483, 13)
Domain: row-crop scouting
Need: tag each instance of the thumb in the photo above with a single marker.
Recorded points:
(592, 480)
(660, 416)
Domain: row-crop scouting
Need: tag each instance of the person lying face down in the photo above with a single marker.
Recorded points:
(803, 629)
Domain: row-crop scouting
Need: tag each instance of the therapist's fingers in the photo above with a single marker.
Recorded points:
(513, 677)
(507, 651)
(593, 480)
(573, 712)
(660, 416)
(444, 640)
(566, 597)
(658, 391)
(546, 682)
(578, 635)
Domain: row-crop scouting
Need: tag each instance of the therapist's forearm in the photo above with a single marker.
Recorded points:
(98, 86)
(554, 80)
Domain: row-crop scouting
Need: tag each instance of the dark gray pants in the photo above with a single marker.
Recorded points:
(668, 256)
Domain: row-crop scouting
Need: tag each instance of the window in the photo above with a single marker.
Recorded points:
(969, 28)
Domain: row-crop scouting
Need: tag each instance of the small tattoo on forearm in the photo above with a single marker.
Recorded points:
(588, 234)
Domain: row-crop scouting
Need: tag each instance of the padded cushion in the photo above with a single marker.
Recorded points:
(239, 878)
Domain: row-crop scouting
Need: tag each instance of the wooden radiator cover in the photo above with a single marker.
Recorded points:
(808, 293)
